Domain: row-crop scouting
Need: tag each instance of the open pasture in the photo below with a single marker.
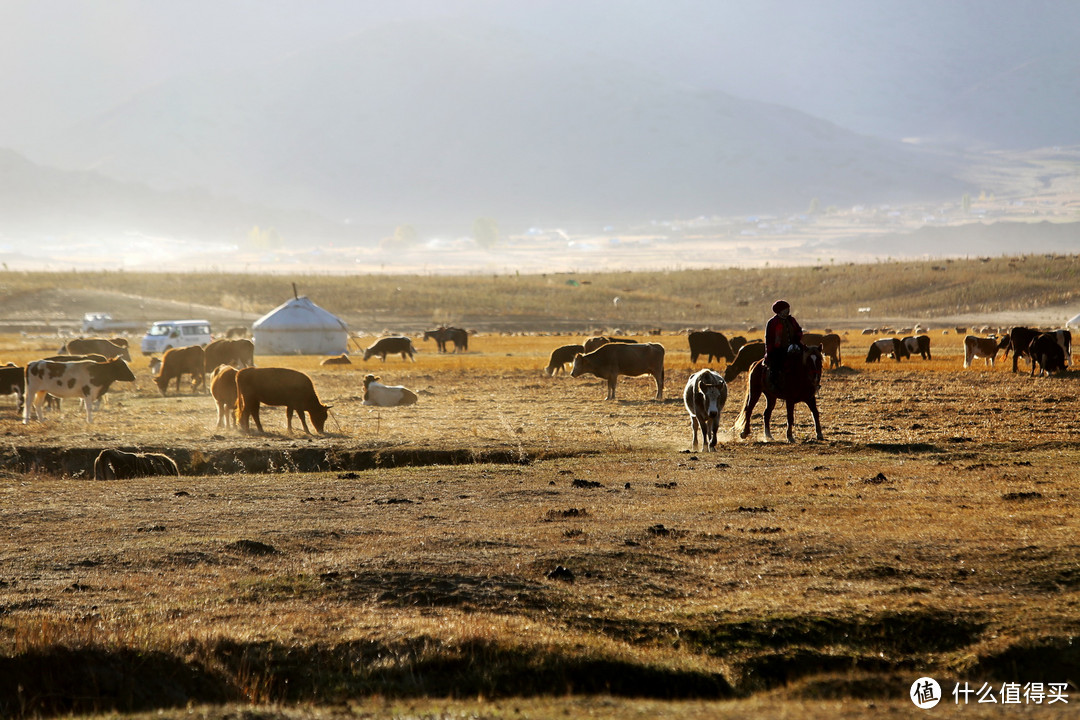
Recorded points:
(517, 539)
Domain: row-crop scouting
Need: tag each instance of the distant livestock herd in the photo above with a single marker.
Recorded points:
(85, 368)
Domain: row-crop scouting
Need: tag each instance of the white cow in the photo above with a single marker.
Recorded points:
(704, 397)
(85, 379)
(381, 395)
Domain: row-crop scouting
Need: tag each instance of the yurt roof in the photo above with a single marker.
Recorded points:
(1074, 321)
(299, 314)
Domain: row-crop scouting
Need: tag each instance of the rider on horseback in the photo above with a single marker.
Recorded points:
(782, 335)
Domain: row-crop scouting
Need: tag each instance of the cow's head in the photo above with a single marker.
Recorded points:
(581, 366)
(318, 416)
(711, 396)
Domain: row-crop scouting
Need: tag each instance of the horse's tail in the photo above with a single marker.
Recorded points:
(742, 423)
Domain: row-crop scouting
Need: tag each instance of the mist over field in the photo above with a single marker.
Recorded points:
(483, 136)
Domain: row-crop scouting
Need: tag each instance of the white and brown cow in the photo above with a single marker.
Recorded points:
(85, 379)
(616, 358)
(704, 397)
(977, 347)
(375, 393)
(886, 346)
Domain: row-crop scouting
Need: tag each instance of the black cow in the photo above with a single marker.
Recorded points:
(711, 343)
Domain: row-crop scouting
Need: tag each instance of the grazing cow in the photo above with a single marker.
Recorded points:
(97, 346)
(13, 382)
(1046, 352)
(597, 340)
(748, 354)
(176, 362)
(391, 346)
(616, 358)
(278, 386)
(237, 331)
(711, 343)
(445, 334)
(341, 359)
(223, 390)
(919, 345)
(977, 347)
(886, 346)
(1019, 339)
(84, 379)
(238, 353)
(114, 464)
(386, 395)
(704, 397)
(736, 342)
(560, 356)
(830, 346)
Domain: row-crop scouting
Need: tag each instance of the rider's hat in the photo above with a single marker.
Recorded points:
(780, 305)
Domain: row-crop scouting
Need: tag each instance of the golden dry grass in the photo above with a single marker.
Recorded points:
(933, 532)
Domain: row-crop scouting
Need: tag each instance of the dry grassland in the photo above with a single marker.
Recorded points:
(515, 546)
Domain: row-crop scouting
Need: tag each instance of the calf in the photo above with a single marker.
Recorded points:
(977, 347)
(223, 390)
(386, 395)
(84, 379)
(119, 465)
(13, 382)
(277, 386)
(704, 397)
(711, 343)
(614, 359)
(560, 356)
(341, 359)
(391, 346)
(177, 362)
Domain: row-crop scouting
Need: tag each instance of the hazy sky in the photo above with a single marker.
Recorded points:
(65, 60)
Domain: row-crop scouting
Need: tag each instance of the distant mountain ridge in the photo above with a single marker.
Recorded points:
(436, 124)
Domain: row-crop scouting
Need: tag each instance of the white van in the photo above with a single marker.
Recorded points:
(166, 334)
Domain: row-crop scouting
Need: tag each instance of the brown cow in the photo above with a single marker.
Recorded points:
(710, 343)
(391, 346)
(830, 346)
(560, 356)
(238, 353)
(277, 386)
(597, 340)
(748, 354)
(114, 464)
(96, 346)
(614, 359)
(223, 389)
(341, 359)
(190, 360)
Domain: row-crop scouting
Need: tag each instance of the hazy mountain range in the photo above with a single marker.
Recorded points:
(583, 114)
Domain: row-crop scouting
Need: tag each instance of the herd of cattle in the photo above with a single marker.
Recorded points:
(85, 368)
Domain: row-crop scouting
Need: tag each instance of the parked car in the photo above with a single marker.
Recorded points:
(166, 334)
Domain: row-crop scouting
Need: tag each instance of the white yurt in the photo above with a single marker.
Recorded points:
(299, 327)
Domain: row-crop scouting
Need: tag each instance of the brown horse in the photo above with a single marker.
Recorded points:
(799, 384)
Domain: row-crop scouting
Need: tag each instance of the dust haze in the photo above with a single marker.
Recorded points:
(482, 136)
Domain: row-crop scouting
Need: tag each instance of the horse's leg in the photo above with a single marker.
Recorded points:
(790, 406)
(812, 404)
(770, 403)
